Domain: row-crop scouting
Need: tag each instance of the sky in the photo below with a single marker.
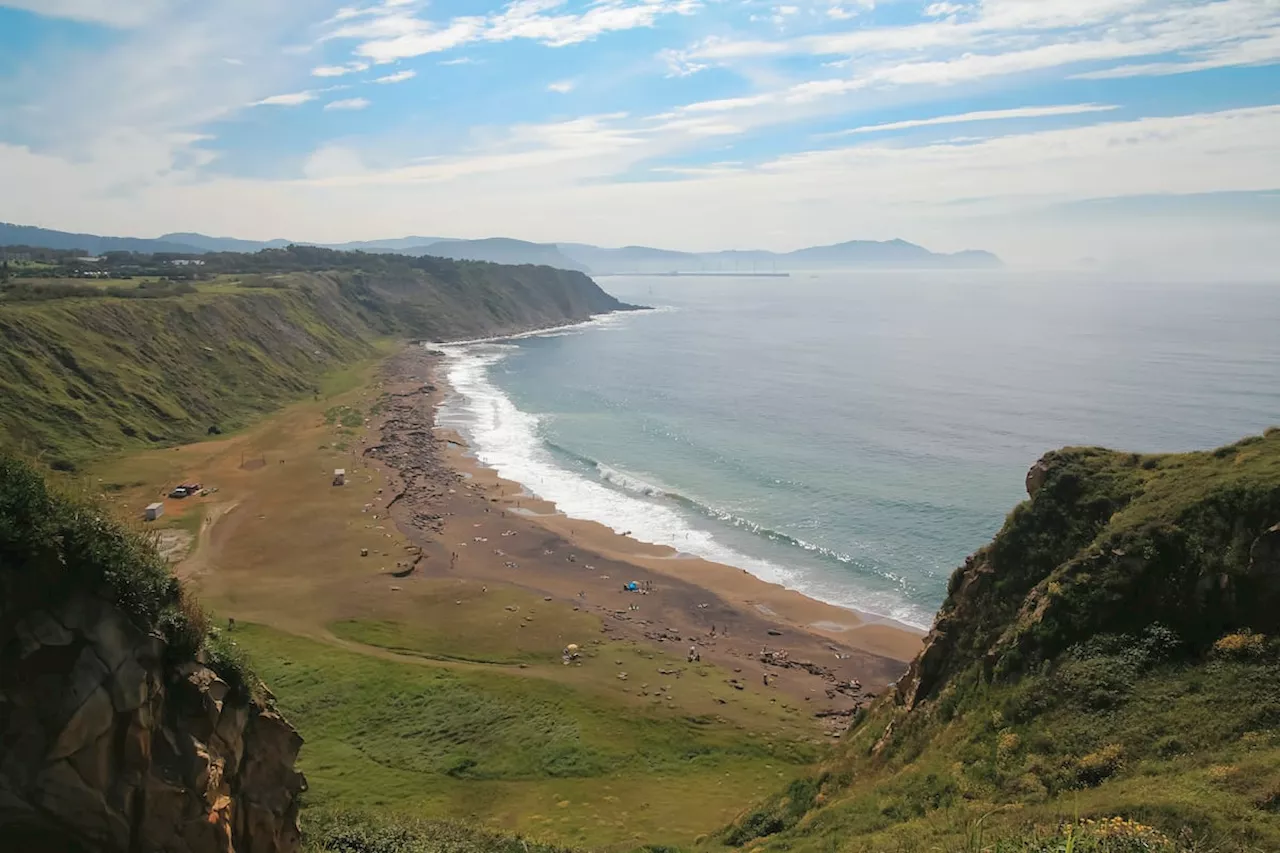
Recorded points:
(1053, 132)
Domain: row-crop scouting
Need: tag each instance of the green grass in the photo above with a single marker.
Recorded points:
(1095, 660)
(345, 831)
(467, 624)
(83, 378)
(574, 764)
(1192, 751)
(85, 373)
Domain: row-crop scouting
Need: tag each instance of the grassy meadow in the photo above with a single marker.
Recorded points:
(445, 699)
(563, 761)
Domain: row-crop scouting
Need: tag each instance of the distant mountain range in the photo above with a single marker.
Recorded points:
(855, 254)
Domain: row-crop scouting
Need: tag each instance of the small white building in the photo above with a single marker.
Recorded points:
(339, 476)
(153, 511)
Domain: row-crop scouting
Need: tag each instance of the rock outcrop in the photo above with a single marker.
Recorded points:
(105, 747)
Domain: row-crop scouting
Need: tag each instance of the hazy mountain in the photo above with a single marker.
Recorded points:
(401, 245)
(628, 258)
(223, 244)
(898, 254)
(583, 257)
(26, 235)
(856, 254)
(501, 250)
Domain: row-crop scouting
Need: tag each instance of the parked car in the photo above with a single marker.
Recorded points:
(180, 492)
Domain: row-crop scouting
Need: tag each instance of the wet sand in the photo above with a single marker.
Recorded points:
(469, 523)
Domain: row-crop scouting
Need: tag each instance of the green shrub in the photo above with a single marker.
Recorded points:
(231, 662)
(53, 546)
(779, 814)
(1097, 767)
(1241, 645)
(327, 831)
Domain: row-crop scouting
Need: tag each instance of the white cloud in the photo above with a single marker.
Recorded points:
(394, 31)
(398, 77)
(546, 182)
(339, 70)
(679, 65)
(1264, 50)
(348, 104)
(114, 13)
(563, 87)
(131, 139)
(1002, 38)
(985, 115)
(292, 99)
(167, 78)
(333, 161)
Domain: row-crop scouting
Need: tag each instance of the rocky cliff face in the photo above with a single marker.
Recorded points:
(104, 747)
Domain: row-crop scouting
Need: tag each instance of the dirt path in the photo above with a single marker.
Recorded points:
(205, 550)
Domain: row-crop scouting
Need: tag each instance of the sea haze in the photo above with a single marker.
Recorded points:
(856, 435)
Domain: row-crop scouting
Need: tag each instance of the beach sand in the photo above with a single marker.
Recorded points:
(471, 524)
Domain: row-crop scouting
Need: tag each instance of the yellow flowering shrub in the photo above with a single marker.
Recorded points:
(1243, 644)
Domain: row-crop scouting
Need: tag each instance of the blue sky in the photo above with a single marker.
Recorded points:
(1048, 130)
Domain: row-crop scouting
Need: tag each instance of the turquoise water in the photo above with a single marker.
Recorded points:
(855, 436)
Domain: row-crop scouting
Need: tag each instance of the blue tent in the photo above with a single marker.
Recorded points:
(632, 587)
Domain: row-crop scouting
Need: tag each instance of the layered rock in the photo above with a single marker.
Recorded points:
(105, 747)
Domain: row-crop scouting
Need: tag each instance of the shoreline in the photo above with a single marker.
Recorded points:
(549, 511)
(470, 524)
(868, 631)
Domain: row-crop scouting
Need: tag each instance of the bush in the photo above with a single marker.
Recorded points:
(1242, 645)
(1097, 767)
(231, 662)
(780, 814)
(359, 832)
(52, 546)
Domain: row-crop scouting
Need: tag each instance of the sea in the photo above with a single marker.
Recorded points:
(854, 436)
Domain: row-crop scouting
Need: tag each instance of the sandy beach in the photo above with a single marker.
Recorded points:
(469, 523)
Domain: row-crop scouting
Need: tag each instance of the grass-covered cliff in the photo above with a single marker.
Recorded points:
(1105, 675)
(86, 369)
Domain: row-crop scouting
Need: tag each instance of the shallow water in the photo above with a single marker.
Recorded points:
(855, 436)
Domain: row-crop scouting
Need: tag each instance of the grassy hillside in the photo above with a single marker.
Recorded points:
(100, 367)
(1105, 675)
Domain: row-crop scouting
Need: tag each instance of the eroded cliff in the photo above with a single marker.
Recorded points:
(125, 725)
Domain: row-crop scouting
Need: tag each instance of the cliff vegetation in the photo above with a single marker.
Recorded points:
(1104, 676)
(126, 722)
(96, 365)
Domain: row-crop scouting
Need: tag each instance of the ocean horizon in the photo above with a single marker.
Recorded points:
(854, 436)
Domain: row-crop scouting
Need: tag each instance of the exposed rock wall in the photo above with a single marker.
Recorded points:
(105, 748)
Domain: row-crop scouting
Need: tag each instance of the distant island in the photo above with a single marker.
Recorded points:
(580, 257)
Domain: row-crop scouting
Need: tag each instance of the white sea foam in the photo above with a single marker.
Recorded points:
(629, 482)
(509, 440)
